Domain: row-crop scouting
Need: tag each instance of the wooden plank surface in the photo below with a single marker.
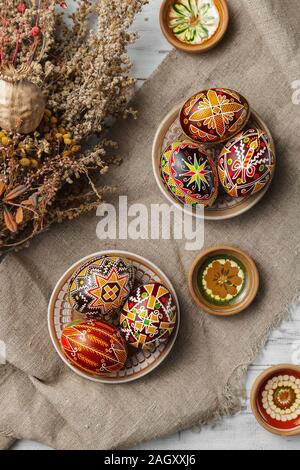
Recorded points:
(240, 431)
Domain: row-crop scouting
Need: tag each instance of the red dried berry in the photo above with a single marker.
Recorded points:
(21, 7)
(35, 31)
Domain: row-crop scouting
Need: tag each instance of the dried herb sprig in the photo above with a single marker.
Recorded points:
(26, 32)
(50, 175)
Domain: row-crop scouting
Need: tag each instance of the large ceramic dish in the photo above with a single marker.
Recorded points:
(225, 206)
(222, 8)
(140, 362)
(281, 428)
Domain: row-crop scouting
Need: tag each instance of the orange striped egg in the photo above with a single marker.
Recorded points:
(94, 347)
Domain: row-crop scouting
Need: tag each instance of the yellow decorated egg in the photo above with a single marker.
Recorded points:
(101, 285)
(149, 316)
(94, 347)
(247, 163)
(189, 173)
(214, 116)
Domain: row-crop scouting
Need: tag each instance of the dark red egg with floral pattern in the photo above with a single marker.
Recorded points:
(214, 116)
(149, 316)
(247, 163)
(190, 173)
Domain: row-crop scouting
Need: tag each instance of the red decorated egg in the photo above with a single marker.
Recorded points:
(247, 163)
(214, 116)
(189, 173)
(94, 347)
(101, 285)
(149, 316)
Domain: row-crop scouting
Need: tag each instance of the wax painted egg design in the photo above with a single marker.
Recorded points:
(189, 173)
(214, 116)
(149, 316)
(94, 347)
(101, 285)
(247, 163)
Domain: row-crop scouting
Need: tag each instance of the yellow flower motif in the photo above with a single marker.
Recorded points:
(216, 111)
(223, 279)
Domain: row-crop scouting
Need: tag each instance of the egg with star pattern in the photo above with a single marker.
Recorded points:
(101, 286)
(189, 172)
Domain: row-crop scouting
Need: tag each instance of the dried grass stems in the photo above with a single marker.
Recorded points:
(48, 176)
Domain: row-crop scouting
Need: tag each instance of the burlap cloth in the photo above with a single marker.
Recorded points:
(39, 397)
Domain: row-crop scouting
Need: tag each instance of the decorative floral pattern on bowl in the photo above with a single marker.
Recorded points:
(281, 398)
(246, 163)
(222, 279)
(275, 399)
(194, 21)
(214, 116)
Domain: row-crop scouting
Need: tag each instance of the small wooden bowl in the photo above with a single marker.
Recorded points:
(194, 48)
(289, 428)
(237, 304)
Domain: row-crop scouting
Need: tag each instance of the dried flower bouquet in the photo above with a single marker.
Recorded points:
(59, 85)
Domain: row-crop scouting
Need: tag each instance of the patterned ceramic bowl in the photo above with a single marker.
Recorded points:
(139, 362)
(194, 25)
(275, 400)
(223, 281)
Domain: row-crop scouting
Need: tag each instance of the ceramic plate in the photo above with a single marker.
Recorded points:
(225, 206)
(140, 362)
(275, 399)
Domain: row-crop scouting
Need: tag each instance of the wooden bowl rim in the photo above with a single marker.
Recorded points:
(253, 274)
(222, 7)
(254, 392)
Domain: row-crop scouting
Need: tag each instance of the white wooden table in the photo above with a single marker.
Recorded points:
(240, 431)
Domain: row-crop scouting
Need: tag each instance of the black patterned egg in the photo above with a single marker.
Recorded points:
(190, 174)
(101, 285)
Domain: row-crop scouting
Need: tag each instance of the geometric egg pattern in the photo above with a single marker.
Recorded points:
(101, 285)
(189, 173)
(214, 115)
(247, 163)
(149, 316)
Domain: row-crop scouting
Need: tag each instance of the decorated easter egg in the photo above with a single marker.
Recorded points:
(246, 163)
(94, 346)
(149, 316)
(101, 285)
(189, 173)
(214, 116)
